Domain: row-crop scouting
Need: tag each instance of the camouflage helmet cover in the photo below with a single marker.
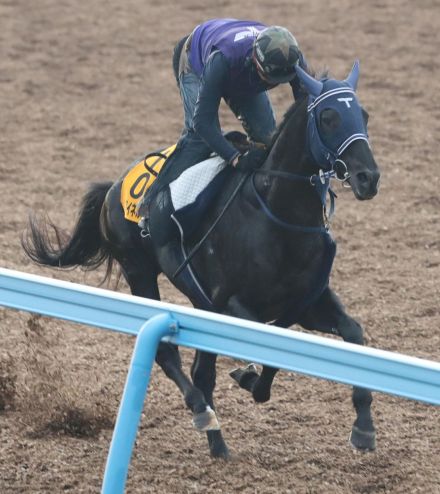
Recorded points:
(276, 53)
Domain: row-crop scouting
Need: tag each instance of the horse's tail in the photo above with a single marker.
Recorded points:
(83, 247)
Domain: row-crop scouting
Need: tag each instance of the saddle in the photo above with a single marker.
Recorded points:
(191, 192)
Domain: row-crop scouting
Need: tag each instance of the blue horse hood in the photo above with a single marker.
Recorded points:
(340, 97)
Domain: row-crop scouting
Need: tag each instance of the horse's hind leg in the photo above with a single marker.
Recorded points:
(141, 276)
(140, 270)
(142, 279)
(203, 373)
(328, 315)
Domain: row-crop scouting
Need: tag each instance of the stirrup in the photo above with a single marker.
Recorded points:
(144, 226)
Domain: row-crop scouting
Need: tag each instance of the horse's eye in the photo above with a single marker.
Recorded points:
(330, 120)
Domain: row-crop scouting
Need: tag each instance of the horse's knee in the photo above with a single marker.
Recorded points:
(351, 331)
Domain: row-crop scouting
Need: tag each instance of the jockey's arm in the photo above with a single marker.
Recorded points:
(206, 119)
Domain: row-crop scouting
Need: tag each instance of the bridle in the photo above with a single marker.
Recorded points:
(328, 158)
(342, 176)
(321, 184)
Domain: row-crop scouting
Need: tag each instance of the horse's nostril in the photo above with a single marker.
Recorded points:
(366, 183)
(362, 177)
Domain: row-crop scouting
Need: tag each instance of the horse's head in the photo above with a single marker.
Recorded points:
(337, 132)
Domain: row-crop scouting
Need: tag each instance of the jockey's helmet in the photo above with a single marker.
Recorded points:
(275, 54)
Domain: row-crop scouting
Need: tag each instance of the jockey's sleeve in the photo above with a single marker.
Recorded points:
(206, 121)
(295, 83)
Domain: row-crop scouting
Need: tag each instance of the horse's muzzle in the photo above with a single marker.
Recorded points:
(365, 184)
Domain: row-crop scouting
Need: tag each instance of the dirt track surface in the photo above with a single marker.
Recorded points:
(85, 87)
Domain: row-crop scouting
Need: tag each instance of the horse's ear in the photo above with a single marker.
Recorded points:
(312, 86)
(353, 78)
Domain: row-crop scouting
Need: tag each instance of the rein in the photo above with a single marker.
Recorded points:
(321, 183)
(214, 224)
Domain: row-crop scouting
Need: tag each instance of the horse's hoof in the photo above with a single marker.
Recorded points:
(221, 452)
(245, 377)
(206, 421)
(363, 440)
(261, 395)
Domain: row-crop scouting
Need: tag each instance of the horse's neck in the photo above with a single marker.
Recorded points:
(294, 201)
(288, 153)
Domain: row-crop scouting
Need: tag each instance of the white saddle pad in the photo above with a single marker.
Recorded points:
(186, 188)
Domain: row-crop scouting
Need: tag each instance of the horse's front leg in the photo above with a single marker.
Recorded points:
(328, 315)
(257, 384)
(248, 377)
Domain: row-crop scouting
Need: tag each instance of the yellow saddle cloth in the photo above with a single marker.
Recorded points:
(139, 179)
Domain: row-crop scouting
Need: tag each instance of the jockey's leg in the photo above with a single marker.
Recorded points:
(189, 88)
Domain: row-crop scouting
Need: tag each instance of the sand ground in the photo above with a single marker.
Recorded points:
(85, 87)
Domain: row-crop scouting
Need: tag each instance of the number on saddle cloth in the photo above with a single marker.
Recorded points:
(141, 175)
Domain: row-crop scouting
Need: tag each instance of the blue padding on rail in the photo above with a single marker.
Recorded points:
(318, 356)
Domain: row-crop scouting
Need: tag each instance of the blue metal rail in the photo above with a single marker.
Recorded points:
(347, 363)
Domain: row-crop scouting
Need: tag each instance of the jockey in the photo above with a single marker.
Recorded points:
(238, 61)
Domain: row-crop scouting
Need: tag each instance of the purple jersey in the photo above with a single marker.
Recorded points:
(232, 37)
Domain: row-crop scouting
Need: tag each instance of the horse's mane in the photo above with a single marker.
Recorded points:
(294, 106)
(291, 110)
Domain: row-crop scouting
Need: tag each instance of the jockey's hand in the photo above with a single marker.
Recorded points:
(250, 160)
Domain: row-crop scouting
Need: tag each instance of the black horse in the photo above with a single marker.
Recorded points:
(269, 257)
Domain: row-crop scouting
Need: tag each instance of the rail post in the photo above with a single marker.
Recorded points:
(132, 402)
